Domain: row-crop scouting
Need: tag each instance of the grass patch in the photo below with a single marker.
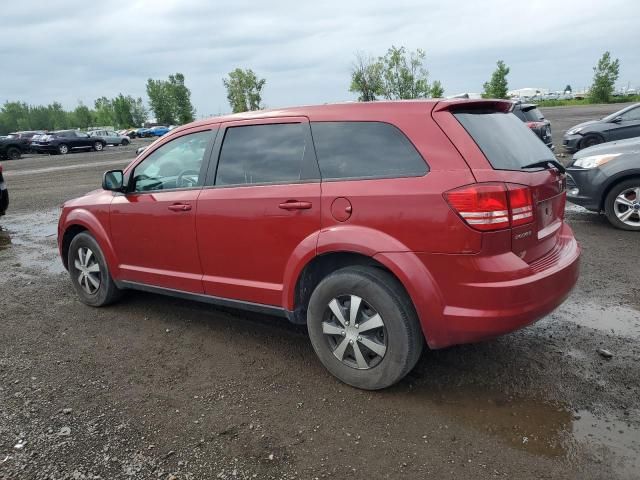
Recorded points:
(584, 101)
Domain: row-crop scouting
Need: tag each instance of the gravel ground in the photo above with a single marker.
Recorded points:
(156, 387)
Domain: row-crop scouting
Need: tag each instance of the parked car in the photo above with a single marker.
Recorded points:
(111, 137)
(25, 138)
(606, 178)
(620, 125)
(533, 118)
(65, 141)
(11, 148)
(4, 195)
(156, 131)
(130, 132)
(400, 221)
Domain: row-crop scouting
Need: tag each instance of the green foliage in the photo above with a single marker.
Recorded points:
(366, 78)
(397, 75)
(82, 116)
(497, 86)
(139, 113)
(170, 100)
(586, 101)
(104, 113)
(244, 90)
(437, 90)
(605, 75)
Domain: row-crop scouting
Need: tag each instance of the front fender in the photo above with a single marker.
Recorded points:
(94, 222)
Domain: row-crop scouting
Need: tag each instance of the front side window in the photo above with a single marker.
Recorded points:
(631, 115)
(259, 154)
(176, 164)
(361, 150)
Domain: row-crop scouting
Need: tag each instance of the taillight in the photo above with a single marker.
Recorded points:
(520, 204)
(535, 124)
(492, 206)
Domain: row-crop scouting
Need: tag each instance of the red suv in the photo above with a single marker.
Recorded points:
(375, 224)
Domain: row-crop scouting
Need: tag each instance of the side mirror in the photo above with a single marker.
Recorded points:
(113, 180)
(617, 120)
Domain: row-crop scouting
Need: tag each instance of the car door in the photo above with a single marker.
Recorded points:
(628, 125)
(259, 204)
(82, 140)
(153, 224)
(112, 138)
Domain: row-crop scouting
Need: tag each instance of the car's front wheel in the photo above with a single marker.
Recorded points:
(622, 205)
(98, 146)
(125, 142)
(590, 141)
(364, 328)
(90, 273)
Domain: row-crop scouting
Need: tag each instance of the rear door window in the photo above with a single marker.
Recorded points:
(262, 154)
(507, 143)
(362, 150)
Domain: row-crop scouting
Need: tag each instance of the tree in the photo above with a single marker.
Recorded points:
(170, 100)
(366, 78)
(82, 116)
(105, 115)
(244, 90)
(605, 75)
(497, 87)
(567, 89)
(404, 78)
(122, 111)
(437, 90)
(139, 113)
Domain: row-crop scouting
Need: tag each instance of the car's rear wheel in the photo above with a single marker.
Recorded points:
(363, 327)
(90, 273)
(13, 153)
(590, 141)
(622, 205)
(63, 149)
(98, 146)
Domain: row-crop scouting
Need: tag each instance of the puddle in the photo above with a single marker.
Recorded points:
(530, 425)
(617, 320)
(608, 437)
(28, 242)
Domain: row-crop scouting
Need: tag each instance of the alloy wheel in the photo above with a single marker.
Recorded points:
(355, 332)
(627, 206)
(89, 277)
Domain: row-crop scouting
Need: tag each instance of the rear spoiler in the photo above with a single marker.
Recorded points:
(457, 104)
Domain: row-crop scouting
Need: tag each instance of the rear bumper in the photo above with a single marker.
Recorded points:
(490, 296)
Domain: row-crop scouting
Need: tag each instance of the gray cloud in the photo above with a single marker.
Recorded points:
(76, 50)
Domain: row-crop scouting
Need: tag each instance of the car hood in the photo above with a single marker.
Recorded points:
(90, 198)
(631, 145)
(584, 124)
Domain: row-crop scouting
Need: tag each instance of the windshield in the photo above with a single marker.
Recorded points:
(506, 141)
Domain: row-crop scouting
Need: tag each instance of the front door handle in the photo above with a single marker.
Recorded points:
(295, 205)
(180, 207)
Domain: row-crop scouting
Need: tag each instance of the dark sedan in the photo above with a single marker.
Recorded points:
(606, 178)
(620, 125)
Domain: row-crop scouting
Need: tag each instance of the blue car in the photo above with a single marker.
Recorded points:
(157, 131)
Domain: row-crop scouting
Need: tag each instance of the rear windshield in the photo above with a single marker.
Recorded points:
(533, 115)
(507, 143)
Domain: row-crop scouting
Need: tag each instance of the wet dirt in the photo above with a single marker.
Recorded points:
(618, 320)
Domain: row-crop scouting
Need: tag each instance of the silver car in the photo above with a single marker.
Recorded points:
(111, 137)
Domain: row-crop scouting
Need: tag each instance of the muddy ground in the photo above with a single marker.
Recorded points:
(155, 387)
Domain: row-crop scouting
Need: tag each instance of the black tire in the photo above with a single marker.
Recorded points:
(98, 146)
(125, 142)
(385, 295)
(590, 140)
(106, 292)
(63, 149)
(610, 205)
(13, 153)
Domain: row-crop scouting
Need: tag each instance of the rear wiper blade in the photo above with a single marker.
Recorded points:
(547, 164)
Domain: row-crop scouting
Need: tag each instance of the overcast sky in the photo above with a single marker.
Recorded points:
(80, 49)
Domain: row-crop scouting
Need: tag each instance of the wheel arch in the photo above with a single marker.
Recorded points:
(613, 181)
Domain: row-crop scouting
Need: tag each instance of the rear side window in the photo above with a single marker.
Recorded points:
(359, 150)
(507, 143)
(533, 115)
(271, 153)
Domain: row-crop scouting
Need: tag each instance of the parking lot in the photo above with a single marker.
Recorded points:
(156, 387)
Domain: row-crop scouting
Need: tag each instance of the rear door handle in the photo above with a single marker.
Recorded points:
(180, 207)
(295, 205)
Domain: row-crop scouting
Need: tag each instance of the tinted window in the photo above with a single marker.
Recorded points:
(533, 115)
(631, 115)
(365, 150)
(173, 165)
(507, 143)
(261, 154)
